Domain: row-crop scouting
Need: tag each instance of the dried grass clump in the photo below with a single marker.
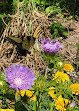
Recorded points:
(19, 27)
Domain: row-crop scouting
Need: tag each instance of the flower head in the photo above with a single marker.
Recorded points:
(7, 110)
(1, 83)
(75, 88)
(22, 92)
(33, 98)
(72, 105)
(60, 76)
(51, 92)
(61, 103)
(52, 88)
(51, 46)
(20, 77)
(68, 67)
(60, 64)
(29, 93)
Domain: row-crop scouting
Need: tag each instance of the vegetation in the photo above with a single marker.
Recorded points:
(58, 30)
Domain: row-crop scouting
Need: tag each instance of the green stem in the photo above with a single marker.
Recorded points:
(38, 102)
(44, 5)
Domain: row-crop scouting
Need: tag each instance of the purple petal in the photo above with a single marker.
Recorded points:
(51, 46)
(20, 77)
(72, 105)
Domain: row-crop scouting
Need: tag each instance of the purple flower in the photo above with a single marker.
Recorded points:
(51, 46)
(72, 105)
(20, 77)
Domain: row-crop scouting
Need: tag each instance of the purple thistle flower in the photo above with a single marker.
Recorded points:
(51, 46)
(72, 105)
(20, 77)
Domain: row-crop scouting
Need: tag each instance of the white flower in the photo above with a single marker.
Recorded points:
(1, 83)
(60, 63)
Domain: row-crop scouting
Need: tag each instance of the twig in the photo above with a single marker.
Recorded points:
(46, 70)
(68, 36)
(18, 13)
(2, 42)
(4, 22)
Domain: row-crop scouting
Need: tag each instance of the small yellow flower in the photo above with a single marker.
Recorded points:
(51, 92)
(68, 67)
(60, 108)
(60, 76)
(22, 92)
(33, 98)
(75, 88)
(61, 103)
(66, 101)
(7, 110)
(52, 88)
(29, 93)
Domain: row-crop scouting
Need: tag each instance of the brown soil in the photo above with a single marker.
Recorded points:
(70, 50)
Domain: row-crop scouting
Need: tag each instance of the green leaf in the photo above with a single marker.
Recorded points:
(77, 44)
(3, 15)
(65, 34)
(37, 2)
(56, 30)
(17, 98)
(48, 9)
(43, 2)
